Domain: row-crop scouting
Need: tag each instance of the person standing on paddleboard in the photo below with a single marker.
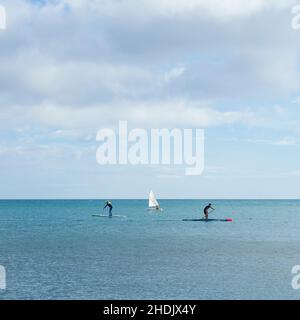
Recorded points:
(206, 210)
(109, 205)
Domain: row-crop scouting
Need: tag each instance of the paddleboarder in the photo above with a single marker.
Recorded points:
(206, 210)
(108, 204)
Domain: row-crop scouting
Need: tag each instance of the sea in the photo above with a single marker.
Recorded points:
(57, 249)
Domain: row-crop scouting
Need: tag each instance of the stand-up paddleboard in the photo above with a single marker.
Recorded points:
(209, 220)
(106, 216)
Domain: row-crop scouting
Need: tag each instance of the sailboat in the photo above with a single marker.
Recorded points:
(153, 203)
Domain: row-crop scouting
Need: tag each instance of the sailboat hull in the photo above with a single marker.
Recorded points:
(155, 210)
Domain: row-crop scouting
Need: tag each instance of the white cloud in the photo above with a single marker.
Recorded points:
(172, 113)
(218, 9)
(296, 100)
(71, 67)
(295, 173)
(278, 68)
(2, 18)
(173, 74)
(43, 151)
(286, 141)
(95, 52)
(215, 8)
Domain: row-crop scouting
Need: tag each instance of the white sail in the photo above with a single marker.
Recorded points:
(152, 200)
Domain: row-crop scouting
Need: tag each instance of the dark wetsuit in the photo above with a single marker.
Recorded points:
(206, 211)
(109, 205)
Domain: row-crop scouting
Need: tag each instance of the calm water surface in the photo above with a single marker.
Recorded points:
(56, 249)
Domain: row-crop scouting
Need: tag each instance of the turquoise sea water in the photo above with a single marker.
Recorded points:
(55, 249)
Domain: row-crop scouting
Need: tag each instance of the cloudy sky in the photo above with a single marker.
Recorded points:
(71, 67)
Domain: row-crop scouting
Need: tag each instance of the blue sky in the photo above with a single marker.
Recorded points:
(69, 68)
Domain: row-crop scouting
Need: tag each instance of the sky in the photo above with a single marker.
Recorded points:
(69, 68)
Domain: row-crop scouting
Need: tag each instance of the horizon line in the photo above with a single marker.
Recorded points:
(97, 199)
